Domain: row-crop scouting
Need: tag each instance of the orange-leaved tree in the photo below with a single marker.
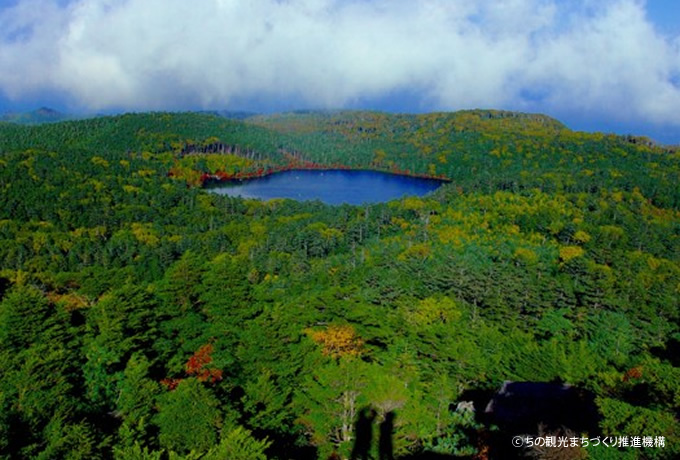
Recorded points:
(196, 365)
(338, 340)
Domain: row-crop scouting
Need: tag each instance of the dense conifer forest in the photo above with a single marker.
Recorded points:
(142, 317)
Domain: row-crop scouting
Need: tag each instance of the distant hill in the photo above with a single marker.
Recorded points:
(477, 149)
(49, 115)
(232, 114)
(36, 117)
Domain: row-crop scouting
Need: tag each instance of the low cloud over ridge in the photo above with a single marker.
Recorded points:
(601, 58)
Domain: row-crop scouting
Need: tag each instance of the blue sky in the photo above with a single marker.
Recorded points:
(610, 65)
(665, 15)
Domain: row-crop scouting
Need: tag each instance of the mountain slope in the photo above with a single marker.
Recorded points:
(144, 318)
(35, 117)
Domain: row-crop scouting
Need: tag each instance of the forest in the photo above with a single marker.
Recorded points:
(142, 317)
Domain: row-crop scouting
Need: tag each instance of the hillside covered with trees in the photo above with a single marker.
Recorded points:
(142, 317)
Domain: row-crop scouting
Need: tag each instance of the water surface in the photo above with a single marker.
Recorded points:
(331, 187)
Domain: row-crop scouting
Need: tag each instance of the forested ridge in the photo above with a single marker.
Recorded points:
(143, 317)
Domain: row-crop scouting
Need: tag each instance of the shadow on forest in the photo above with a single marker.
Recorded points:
(385, 448)
(363, 430)
(670, 352)
(4, 286)
(430, 456)
(534, 409)
(517, 408)
(364, 437)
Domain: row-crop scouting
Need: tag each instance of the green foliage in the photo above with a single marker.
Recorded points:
(136, 398)
(238, 444)
(136, 452)
(73, 441)
(551, 255)
(188, 418)
(21, 303)
(332, 398)
(620, 419)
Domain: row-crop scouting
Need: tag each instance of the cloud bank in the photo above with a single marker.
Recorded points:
(601, 58)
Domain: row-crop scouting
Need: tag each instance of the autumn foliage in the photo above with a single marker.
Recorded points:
(338, 340)
(197, 365)
(170, 384)
(634, 373)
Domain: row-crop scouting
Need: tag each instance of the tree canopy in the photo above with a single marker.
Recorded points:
(143, 317)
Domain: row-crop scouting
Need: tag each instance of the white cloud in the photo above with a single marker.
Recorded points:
(599, 57)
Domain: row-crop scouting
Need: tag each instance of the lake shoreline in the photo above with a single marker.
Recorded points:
(220, 177)
(331, 186)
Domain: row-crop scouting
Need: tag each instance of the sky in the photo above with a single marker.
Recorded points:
(596, 65)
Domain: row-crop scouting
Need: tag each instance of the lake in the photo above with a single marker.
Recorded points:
(331, 187)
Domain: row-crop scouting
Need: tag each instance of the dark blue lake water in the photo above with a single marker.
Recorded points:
(331, 187)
